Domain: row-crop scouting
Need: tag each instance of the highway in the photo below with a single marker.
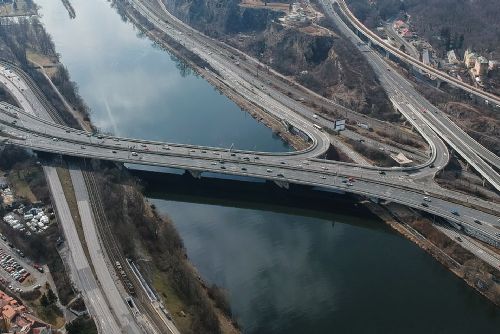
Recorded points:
(119, 307)
(491, 98)
(405, 96)
(290, 168)
(82, 273)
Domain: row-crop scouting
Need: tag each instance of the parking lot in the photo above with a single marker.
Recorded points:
(15, 271)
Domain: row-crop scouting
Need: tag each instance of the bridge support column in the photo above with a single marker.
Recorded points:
(282, 184)
(370, 43)
(195, 173)
(438, 82)
(387, 54)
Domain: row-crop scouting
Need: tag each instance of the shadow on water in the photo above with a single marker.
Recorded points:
(255, 194)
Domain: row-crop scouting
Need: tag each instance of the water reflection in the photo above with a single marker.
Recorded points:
(136, 89)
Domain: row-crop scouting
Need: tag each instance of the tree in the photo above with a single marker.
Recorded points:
(52, 298)
(44, 301)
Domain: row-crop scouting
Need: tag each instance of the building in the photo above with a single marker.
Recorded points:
(481, 67)
(469, 58)
(399, 24)
(15, 318)
(452, 57)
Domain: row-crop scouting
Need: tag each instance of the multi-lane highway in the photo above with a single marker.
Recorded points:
(285, 168)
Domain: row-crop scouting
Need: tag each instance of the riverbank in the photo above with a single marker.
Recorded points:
(201, 68)
(63, 94)
(478, 274)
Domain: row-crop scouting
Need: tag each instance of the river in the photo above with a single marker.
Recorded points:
(287, 268)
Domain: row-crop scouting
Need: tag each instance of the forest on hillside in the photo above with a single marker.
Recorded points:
(446, 24)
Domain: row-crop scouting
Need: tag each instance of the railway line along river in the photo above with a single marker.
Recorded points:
(289, 266)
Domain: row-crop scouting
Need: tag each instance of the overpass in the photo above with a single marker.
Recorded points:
(29, 131)
(375, 39)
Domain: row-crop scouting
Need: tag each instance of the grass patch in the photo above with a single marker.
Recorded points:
(69, 193)
(18, 180)
(172, 302)
(50, 314)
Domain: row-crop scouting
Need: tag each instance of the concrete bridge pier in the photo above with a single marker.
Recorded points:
(438, 83)
(194, 173)
(282, 184)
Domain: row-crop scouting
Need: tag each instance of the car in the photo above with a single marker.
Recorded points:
(213, 163)
(478, 222)
(67, 131)
(323, 177)
(82, 147)
(427, 199)
(459, 239)
(381, 172)
(431, 166)
(269, 170)
(243, 168)
(54, 139)
(134, 154)
(425, 205)
(222, 167)
(165, 147)
(455, 212)
(233, 154)
(283, 163)
(344, 181)
(113, 151)
(280, 175)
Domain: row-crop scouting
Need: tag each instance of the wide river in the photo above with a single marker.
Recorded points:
(286, 270)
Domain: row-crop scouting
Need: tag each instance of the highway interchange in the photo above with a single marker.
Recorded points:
(33, 127)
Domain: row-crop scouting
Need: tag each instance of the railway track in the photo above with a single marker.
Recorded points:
(115, 255)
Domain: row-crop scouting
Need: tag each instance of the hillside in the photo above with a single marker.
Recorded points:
(444, 23)
(316, 57)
